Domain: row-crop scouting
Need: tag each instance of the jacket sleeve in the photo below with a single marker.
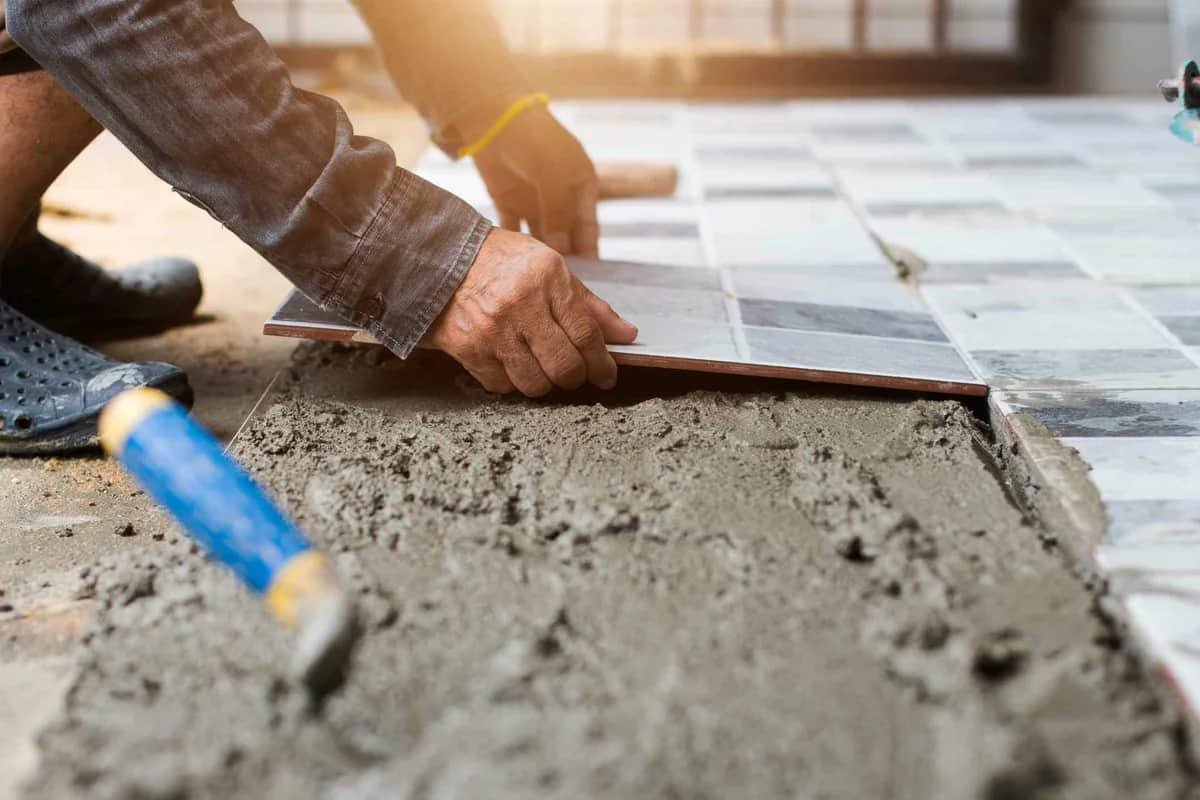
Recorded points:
(200, 98)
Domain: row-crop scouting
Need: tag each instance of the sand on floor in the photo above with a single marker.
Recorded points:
(688, 588)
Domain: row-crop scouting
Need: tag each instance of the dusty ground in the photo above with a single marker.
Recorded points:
(57, 516)
(690, 588)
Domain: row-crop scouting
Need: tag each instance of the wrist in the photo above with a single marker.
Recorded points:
(475, 129)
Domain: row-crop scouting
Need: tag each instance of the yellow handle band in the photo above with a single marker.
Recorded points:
(123, 413)
(503, 121)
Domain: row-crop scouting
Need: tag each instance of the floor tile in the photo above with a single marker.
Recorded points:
(886, 295)
(643, 274)
(1067, 370)
(1145, 413)
(967, 240)
(878, 133)
(1130, 259)
(1000, 272)
(720, 181)
(661, 336)
(1150, 522)
(915, 188)
(637, 303)
(654, 250)
(646, 210)
(1075, 330)
(917, 326)
(857, 354)
(651, 230)
(788, 233)
(1154, 468)
(1050, 195)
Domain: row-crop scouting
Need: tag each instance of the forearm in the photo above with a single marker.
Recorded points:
(201, 99)
(448, 58)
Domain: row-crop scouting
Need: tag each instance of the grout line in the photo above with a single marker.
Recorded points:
(708, 240)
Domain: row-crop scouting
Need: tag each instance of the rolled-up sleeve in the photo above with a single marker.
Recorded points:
(199, 97)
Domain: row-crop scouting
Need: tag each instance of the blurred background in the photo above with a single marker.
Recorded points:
(791, 47)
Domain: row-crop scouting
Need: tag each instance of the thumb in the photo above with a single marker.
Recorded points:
(615, 328)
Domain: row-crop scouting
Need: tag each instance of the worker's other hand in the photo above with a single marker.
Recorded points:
(521, 320)
(537, 172)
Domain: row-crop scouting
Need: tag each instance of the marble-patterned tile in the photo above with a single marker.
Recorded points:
(1137, 413)
(644, 274)
(750, 181)
(788, 234)
(1141, 523)
(1128, 258)
(876, 271)
(980, 239)
(1140, 564)
(1151, 468)
(1067, 370)
(647, 211)
(876, 133)
(1049, 195)
(857, 354)
(1046, 296)
(985, 272)
(637, 303)
(796, 287)
(899, 157)
(1028, 155)
(674, 338)
(916, 188)
(1088, 117)
(670, 251)
(1001, 329)
(651, 230)
(913, 325)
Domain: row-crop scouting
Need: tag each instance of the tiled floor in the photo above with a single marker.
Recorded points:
(1055, 244)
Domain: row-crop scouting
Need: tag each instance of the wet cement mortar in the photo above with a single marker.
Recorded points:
(681, 590)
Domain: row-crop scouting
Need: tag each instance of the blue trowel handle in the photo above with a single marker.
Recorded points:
(182, 467)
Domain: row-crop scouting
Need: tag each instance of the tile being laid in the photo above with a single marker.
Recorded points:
(638, 302)
(683, 319)
(914, 325)
(808, 350)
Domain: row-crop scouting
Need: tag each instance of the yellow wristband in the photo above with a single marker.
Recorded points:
(503, 121)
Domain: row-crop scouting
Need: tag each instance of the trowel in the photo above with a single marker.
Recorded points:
(183, 467)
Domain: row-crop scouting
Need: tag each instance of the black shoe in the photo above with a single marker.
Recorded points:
(68, 293)
(52, 388)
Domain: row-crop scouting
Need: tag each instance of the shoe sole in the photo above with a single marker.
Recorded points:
(79, 434)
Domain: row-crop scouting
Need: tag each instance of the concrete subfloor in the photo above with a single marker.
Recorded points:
(58, 515)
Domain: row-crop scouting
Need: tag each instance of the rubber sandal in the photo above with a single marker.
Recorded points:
(53, 388)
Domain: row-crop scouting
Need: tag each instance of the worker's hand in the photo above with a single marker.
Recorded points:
(521, 320)
(536, 171)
